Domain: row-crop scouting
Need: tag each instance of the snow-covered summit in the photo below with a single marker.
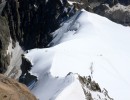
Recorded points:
(87, 44)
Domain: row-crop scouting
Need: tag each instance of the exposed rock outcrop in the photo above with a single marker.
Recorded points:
(92, 90)
(118, 13)
(116, 10)
(12, 90)
(31, 21)
(4, 42)
(26, 78)
(28, 22)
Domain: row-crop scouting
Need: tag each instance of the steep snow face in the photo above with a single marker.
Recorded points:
(72, 92)
(87, 44)
(48, 87)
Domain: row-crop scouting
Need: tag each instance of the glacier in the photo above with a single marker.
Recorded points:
(86, 44)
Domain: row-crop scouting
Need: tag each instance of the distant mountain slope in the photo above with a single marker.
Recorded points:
(86, 44)
(116, 10)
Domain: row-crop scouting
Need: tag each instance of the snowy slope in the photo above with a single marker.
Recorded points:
(87, 44)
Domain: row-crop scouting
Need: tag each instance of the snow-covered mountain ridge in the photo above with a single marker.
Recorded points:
(87, 44)
(84, 88)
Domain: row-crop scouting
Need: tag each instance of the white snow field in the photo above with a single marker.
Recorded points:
(87, 44)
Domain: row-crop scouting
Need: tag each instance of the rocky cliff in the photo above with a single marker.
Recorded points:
(92, 90)
(118, 13)
(116, 10)
(27, 24)
(4, 42)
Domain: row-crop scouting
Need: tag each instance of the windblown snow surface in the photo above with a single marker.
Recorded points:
(87, 44)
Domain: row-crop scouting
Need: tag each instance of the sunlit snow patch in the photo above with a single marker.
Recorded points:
(96, 43)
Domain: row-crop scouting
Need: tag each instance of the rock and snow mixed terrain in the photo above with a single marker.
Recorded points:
(87, 44)
(14, 70)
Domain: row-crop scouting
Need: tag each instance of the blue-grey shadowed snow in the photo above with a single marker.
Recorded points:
(67, 26)
(32, 84)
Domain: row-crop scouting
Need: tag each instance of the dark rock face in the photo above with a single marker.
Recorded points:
(89, 5)
(88, 85)
(4, 42)
(38, 20)
(25, 77)
(118, 13)
(29, 22)
(2, 5)
(124, 2)
(26, 65)
(116, 10)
